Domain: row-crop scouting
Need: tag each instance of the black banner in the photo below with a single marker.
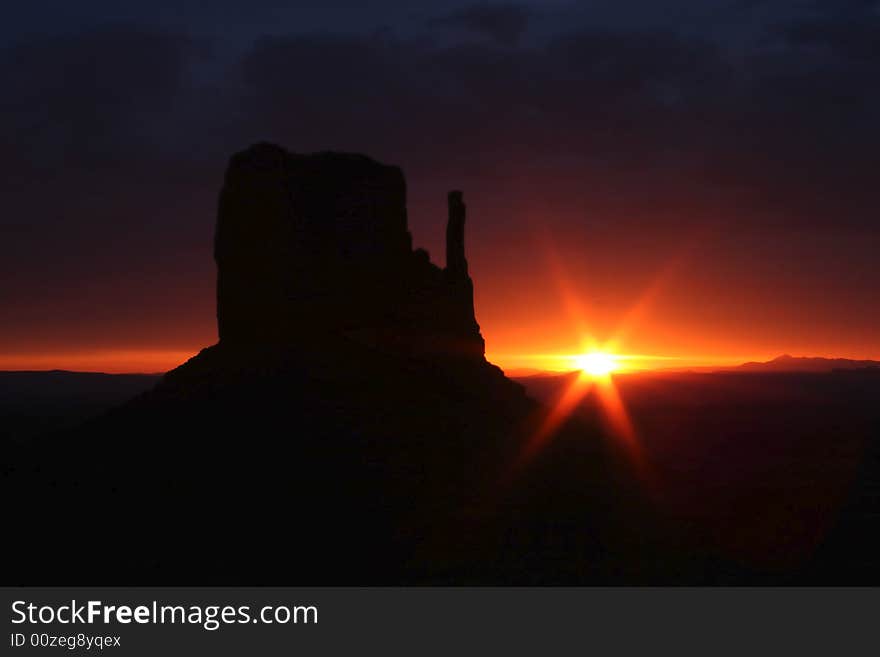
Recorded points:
(398, 621)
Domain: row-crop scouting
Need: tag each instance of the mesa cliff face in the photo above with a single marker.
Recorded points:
(318, 244)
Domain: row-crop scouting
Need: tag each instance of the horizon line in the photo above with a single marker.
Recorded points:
(547, 363)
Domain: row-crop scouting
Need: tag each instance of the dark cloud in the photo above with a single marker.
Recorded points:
(95, 171)
(849, 31)
(619, 105)
(608, 102)
(503, 23)
(75, 104)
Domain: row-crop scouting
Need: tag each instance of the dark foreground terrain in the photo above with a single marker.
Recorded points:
(34, 403)
(776, 472)
(751, 479)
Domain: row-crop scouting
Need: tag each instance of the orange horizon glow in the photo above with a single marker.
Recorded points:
(624, 363)
(112, 361)
(148, 361)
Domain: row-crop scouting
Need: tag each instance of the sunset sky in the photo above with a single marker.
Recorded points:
(697, 179)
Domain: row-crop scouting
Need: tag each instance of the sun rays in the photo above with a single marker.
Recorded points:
(596, 366)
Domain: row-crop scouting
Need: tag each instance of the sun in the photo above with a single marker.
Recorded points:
(596, 363)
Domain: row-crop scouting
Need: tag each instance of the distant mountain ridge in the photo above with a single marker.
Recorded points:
(788, 363)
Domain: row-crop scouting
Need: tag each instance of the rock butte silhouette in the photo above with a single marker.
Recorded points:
(316, 274)
(307, 244)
